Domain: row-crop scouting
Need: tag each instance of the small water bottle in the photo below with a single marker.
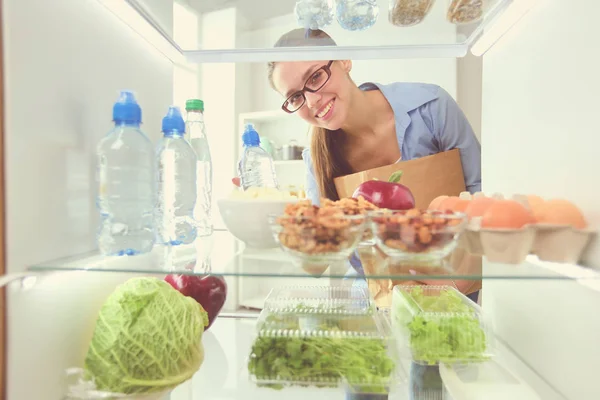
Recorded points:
(126, 183)
(256, 167)
(197, 133)
(176, 180)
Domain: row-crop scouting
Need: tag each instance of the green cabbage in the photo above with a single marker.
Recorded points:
(147, 339)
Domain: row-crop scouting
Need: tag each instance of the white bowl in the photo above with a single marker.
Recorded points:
(248, 219)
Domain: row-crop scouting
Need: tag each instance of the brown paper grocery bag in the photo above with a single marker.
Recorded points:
(426, 177)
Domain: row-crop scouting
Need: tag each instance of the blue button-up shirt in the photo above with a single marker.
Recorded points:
(428, 121)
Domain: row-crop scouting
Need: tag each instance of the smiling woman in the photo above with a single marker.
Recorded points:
(356, 128)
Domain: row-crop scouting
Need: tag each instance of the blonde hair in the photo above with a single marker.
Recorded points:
(325, 145)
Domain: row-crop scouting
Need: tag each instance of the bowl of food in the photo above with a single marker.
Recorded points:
(315, 236)
(246, 214)
(417, 235)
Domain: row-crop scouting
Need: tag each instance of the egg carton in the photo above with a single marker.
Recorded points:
(549, 242)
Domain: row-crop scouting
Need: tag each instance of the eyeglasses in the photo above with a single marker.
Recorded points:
(313, 84)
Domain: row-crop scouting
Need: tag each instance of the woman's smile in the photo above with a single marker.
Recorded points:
(326, 111)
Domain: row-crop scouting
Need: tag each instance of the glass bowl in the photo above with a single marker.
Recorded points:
(317, 241)
(415, 235)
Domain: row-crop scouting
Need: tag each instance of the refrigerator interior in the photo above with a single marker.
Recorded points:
(530, 99)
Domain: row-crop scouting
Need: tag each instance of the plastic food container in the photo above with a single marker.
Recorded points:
(462, 12)
(438, 324)
(409, 12)
(314, 14)
(418, 236)
(356, 15)
(323, 337)
(316, 242)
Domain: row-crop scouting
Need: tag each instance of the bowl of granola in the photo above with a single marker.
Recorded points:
(315, 236)
(417, 235)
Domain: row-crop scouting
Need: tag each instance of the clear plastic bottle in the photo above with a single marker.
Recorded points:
(196, 130)
(126, 183)
(256, 167)
(176, 179)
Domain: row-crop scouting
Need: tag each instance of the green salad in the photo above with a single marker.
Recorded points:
(441, 327)
(326, 356)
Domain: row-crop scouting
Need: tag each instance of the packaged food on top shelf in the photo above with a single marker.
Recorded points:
(314, 14)
(409, 12)
(323, 337)
(466, 11)
(356, 15)
(438, 324)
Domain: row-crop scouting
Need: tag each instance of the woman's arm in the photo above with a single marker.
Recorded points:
(453, 131)
(312, 190)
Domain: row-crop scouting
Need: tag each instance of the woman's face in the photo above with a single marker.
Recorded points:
(328, 107)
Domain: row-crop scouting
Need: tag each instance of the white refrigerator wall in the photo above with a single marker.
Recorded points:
(65, 62)
(540, 135)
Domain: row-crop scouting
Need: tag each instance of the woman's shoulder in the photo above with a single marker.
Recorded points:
(407, 96)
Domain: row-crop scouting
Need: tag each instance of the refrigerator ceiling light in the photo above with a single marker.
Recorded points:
(138, 19)
(505, 22)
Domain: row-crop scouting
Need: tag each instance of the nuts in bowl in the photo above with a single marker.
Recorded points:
(418, 235)
(318, 235)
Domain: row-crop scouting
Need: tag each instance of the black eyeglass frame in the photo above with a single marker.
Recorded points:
(327, 69)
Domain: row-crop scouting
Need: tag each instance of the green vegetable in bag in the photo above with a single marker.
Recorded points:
(147, 339)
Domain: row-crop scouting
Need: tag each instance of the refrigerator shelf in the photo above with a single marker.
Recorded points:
(230, 258)
(253, 31)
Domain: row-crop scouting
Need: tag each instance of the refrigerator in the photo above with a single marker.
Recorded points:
(526, 76)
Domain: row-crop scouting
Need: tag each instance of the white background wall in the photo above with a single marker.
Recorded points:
(65, 62)
(540, 135)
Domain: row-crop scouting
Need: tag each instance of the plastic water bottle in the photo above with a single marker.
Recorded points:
(126, 179)
(176, 183)
(256, 167)
(197, 131)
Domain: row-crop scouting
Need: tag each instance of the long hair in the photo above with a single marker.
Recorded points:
(325, 145)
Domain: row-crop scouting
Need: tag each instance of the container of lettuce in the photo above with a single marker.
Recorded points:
(147, 340)
(323, 337)
(438, 324)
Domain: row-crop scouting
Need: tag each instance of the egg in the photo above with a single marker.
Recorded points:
(561, 212)
(454, 203)
(435, 203)
(508, 214)
(535, 202)
(478, 206)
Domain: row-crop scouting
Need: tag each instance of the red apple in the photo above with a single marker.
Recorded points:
(210, 291)
(390, 194)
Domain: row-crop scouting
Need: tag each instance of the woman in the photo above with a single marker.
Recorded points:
(356, 128)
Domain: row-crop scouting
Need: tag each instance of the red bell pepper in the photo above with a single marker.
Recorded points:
(391, 194)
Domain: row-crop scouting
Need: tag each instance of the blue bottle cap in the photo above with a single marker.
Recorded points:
(173, 121)
(250, 136)
(126, 109)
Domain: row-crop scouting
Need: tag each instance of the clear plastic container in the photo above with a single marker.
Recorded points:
(323, 337)
(409, 12)
(438, 324)
(462, 12)
(314, 14)
(356, 15)
(319, 299)
(419, 236)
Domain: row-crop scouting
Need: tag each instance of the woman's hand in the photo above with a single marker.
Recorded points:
(236, 181)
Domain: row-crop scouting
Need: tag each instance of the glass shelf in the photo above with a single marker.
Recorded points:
(224, 374)
(249, 29)
(227, 256)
